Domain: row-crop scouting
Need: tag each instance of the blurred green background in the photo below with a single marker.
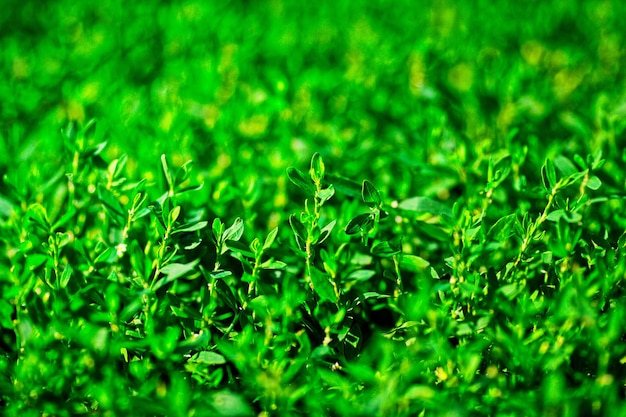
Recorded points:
(383, 90)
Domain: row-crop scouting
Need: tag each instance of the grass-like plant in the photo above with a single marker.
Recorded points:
(312, 210)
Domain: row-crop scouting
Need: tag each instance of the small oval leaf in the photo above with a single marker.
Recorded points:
(317, 168)
(425, 205)
(209, 358)
(370, 194)
(297, 177)
(362, 222)
(413, 263)
(269, 240)
(593, 183)
(385, 249)
(235, 231)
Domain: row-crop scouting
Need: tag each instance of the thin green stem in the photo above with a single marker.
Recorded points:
(161, 253)
(309, 258)
(398, 289)
(535, 226)
(71, 187)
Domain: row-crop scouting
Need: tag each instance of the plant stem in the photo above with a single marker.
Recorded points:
(534, 226)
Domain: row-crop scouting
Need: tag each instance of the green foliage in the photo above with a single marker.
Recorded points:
(455, 245)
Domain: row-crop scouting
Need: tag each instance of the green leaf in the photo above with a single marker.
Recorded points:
(34, 261)
(419, 393)
(142, 212)
(273, 264)
(183, 172)
(6, 207)
(107, 257)
(133, 306)
(325, 194)
(95, 150)
(239, 247)
(190, 243)
(593, 183)
(317, 168)
(595, 160)
(111, 204)
(548, 175)
(37, 214)
(299, 231)
(6, 310)
(217, 227)
(361, 223)
(353, 341)
(361, 275)
(138, 260)
(220, 274)
(165, 207)
(189, 188)
(564, 165)
(322, 285)
(499, 170)
(116, 167)
(385, 249)
(234, 232)
(66, 276)
(228, 404)
(621, 241)
(298, 178)
(225, 293)
(209, 358)
(568, 216)
(433, 231)
(425, 205)
(325, 232)
(174, 271)
(69, 133)
(191, 227)
(196, 341)
(269, 240)
(173, 215)
(255, 246)
(504, 228)
(413, 263)
(370, 194)
(138, 187)
(69, 214)
(571, 179)
(580, 162)
(510, 291)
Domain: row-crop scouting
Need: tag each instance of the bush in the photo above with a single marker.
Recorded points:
(284, 209)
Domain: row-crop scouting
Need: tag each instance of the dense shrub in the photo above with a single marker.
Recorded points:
(349, 208)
